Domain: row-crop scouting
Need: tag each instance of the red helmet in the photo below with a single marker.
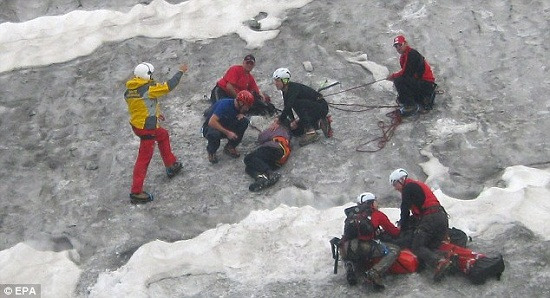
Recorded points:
(245, 97)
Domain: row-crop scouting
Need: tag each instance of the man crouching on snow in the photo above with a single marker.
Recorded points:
(360, 245)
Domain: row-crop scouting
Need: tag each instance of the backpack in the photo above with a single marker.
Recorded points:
(485, 268)
(358, 222)
(458, 237)
(476, 266)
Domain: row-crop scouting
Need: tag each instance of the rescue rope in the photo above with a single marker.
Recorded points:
(387, 132)
(361, 107)
(353, 88)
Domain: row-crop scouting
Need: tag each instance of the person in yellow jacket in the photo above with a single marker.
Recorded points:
(142, 94)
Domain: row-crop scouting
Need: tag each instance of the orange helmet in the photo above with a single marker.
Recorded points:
(245, 97)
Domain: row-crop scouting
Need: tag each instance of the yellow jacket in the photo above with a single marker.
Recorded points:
(142, 98)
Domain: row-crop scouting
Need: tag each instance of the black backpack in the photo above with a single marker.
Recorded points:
(458, 237)
(358, 222)
(485, 268)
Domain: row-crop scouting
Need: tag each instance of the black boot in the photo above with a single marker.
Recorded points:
(259, 183)
(350, 274)
(443, 268)
(174, 169)
(264, 180)
(375, 279)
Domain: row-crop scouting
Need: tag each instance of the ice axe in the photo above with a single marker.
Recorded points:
(329, 86)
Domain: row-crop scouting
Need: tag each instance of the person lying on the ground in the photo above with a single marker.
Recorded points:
(272, 152)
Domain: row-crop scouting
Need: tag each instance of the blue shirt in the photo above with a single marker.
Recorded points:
(225, 110)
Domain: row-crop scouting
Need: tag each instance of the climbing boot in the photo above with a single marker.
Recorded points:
(408, 110)
(264, 181)
(212, 158)
(140, 198)
(325, 126)
(308, 138)
(443, 268)
(174, 169)
(374, 278)
(259, 183)
(272, 178)
(231, 151)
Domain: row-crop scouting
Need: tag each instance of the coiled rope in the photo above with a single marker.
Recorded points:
(387, 130)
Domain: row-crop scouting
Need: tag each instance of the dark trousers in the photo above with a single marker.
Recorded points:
(214, 136)
(262, 160)
(431, 231)
(217, 94)
(412, 91)
(309, 112)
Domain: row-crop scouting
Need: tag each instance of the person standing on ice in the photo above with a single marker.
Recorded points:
(432, 222)
(360, 242)
(308, 104)
(142, 95)
(415, 82)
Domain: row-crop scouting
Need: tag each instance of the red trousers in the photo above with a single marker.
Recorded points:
(146, 149)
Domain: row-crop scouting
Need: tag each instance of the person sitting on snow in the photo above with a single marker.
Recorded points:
(272, 152)
(308, 104)
(415, 82)
(359, 244)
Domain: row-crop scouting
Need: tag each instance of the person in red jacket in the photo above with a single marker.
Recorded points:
(415, 82)
(360, 242)
(421, 206)
(237, 78)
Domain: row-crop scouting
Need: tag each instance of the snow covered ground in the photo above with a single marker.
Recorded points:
(67, 151)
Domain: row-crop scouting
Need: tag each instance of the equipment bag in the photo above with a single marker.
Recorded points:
(406, 262)
(485, 268)
(476, 266)
(458, 237)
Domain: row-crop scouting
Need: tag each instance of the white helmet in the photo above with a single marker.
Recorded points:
(144, 70)
(365, 197)
(282, 74)
(397, 175)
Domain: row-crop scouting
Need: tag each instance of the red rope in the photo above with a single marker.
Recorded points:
(387, 132)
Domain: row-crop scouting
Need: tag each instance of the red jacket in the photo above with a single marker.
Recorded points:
(413, 64)
(239, 78)
(355, 223)
(379, 219)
